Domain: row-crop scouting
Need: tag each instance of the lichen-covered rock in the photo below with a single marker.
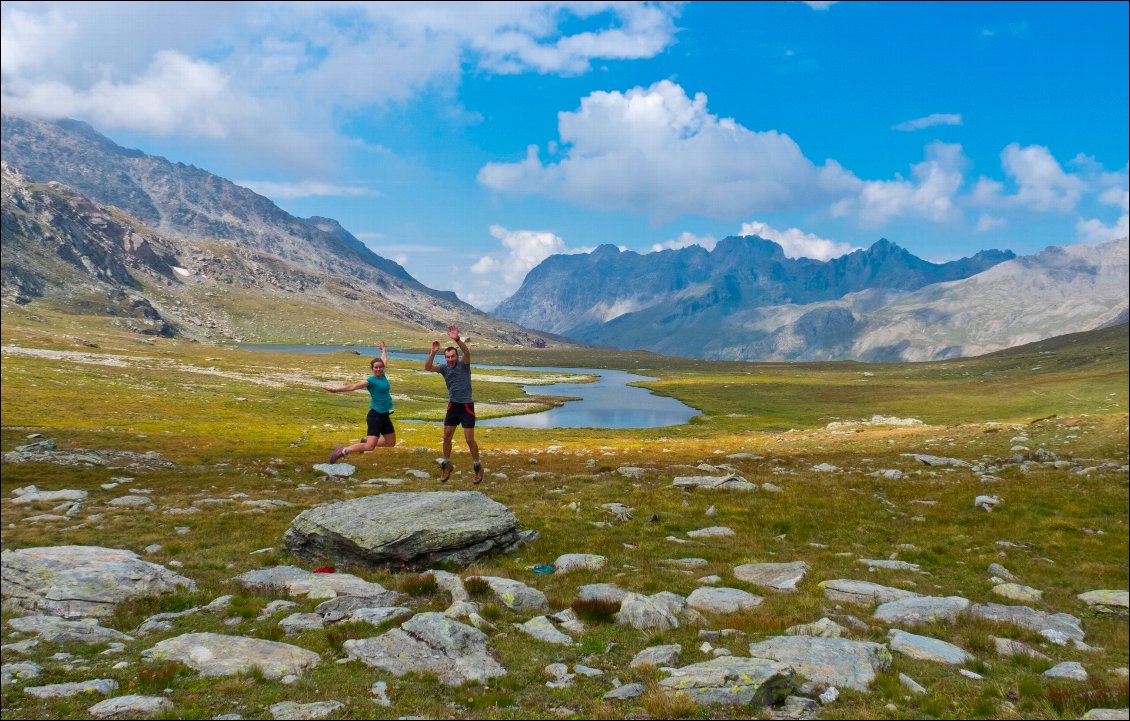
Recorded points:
(657, 656)
(578, 562)
(296, 581)
(430, 643)
(515, 595)
(81, 581)
(922, 609)
(53, 629)
(926, 648)
(1107, 601)
(865, 592)
(303, 711)
(733, 681)
(777, 576)
(722, 600)
(215, 654)
(834, 661)
(406, 530)
(131, 706)
(1026, 617)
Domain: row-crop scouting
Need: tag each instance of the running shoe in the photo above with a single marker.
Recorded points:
(338, 453)
(478, 475)
(445, 472)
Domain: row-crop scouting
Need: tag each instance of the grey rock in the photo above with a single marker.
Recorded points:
(658, 656)
(81, 581)
(297, 623)
(1068, 669)
(451, 584)
(579, 562)
(516, 595)
(49, 497)
(608, 592)
(824, 628)
(911, 685)
(864, 592)
(101, 686)
(686, 562)
(53, 629)
(163, 621)
(379, 692)
(342, 607)
(214, 654)
(835, 661)
(733, 681)
(995, 569)
(922, 609)
(925, 648)
(710, 599)
(646, 612)
(336, 470)
(1030, 618)
(296, 581)
(776, 576)
(795, 708)
(16, 672)
(406, 530)
(1018, 592)
(939, 460)
(889, 564)
(1009, 647)
(712, 532)
(543, 629)
(1107, 601)
(731, 482)
(377, 616)
(430, 643)
(627, 691)
(1107, 713)
(131, 706)
(301, 711)
(567, 619)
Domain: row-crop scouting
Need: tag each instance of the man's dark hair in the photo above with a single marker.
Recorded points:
(450, 347)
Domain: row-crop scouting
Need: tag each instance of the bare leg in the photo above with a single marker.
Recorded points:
(469, 436)
(368, 444)
(448, 432)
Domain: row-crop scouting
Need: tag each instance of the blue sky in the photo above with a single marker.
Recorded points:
(469, 141)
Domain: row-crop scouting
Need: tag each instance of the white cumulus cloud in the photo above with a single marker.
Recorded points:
(930, 193)
(1095, 231)
(796, 243)
(658, 151)
(686, 240)
(1041, 184)
(502, 273)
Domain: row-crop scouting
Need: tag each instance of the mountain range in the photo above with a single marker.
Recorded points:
(170, 249)
(745, 300)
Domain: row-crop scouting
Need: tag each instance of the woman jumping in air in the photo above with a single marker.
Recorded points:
(380, 433)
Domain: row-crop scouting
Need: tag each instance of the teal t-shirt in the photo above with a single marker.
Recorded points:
(379, 393)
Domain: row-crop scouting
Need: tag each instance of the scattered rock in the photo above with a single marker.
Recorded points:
(922, 609)
(336, 470)
(131, 706)
(1068, 669)
(911, 685)
(543, 629)
(81, 581)
(711, 532)
(733, 681)
(316, 710)
(889, 564)
(1107, 601)
(52, 629)
(430, 643)
(297, 623)
(864, 592)
(995, 569)
(722, 600)
(732, 482)
(1031, 619)
(646, 612)
(516, 595)
(627, 691)
(606, 592)
(296, 581)
(824, 628)
(406, 530)
(777, 576)
(214, 654)
(1009, 647)
(1017, 592)
(925, 648)
(16, 672)
(835, 661)
(579, 561)
(101, 686)
(658, 656)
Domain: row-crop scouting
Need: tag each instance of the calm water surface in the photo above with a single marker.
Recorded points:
(607, 403)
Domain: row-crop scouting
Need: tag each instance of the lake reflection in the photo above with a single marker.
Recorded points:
(607, 403)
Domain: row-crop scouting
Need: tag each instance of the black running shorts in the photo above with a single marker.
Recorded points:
(380, 424)
(460, 414)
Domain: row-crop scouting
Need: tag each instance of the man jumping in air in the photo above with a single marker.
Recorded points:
(460, 403)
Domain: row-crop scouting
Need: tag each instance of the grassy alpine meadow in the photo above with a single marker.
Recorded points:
(241, 427)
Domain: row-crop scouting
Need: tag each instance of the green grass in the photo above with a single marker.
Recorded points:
(236, 422)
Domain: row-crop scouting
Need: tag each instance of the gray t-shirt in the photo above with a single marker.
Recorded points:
(458, 381)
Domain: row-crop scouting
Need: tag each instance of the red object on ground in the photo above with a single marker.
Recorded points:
(325, 569)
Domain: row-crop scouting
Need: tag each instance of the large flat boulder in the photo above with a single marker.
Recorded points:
(406, 530)
(81, 581)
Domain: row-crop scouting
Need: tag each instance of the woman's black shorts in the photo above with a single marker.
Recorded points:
(380, 424)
